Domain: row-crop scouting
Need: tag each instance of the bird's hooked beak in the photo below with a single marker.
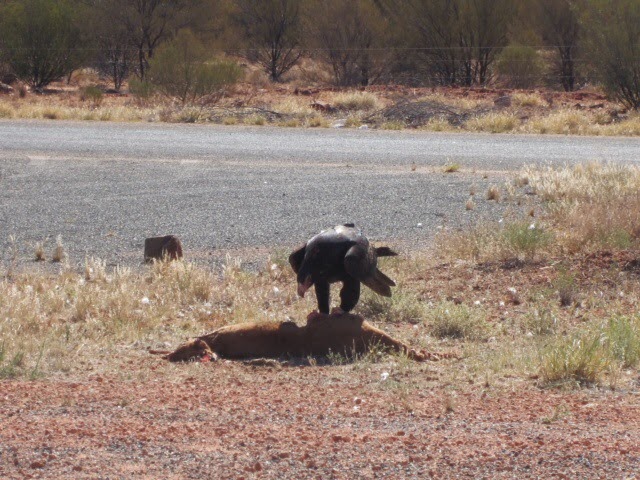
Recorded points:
(303, 287)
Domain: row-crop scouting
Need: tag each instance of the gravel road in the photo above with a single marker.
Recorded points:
(104, 187)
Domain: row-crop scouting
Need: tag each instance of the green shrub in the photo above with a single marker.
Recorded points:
(577, 359)
(449, 320)
(181, 70)
(622, 339)
(520, 66)
(92, 94)
(39, 40)
(524, 239)
(141, 89)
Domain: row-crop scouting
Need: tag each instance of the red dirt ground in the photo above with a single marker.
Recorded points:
(232, 420)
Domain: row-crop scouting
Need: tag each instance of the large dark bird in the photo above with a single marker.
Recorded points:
(341, 254)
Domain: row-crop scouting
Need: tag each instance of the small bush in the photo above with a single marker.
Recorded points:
(579, 359)
(520, 66)
(525, 240)
(181, 70)
(141, 89)
(622, 340)
(92, 94)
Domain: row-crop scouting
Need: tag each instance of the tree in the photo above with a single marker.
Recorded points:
(613, 36)
(40, 40)
(557, 23)
(181, 70)
(483, 26)
(272, 31)
(147, 23)
(458, 40)
(115, 56)
(351, 37)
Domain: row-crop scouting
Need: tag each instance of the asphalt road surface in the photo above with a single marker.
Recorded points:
(104, 187)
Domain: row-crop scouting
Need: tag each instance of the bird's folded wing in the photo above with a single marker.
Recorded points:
(297, 257)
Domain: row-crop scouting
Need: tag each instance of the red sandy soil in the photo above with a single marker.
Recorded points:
(233, 420)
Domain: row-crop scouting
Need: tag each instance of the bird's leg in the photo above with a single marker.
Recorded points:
(322, 295)
(349, 294)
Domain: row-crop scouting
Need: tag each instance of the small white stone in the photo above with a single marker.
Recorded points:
(145, 301)
(419, 225)
(384, 376)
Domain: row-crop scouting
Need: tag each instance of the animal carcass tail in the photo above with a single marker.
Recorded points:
(380, 283)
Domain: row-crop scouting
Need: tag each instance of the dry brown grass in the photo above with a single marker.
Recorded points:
(591, 205)
(493, 123)
(509, 324)
(356, 101)
(563, 117)
(522, 99)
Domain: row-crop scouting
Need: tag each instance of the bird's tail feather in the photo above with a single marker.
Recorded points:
(380, 284)
(385, 252)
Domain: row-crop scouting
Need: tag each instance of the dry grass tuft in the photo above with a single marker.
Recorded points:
(470, 205)
(356, 101)
(562, 122)
(39, 252)
(493, 193)
(493, 123)
(448, 320)
(527, 100)
(59, 252)
(452, 168)
(6, 111)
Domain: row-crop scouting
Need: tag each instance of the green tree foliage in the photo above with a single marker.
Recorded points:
(520, 66)
(40, 39)
(147, 24)
(272, 31)
(181, 70)
(613, 38)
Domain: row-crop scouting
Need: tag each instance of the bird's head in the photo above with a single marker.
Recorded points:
(308, 267)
